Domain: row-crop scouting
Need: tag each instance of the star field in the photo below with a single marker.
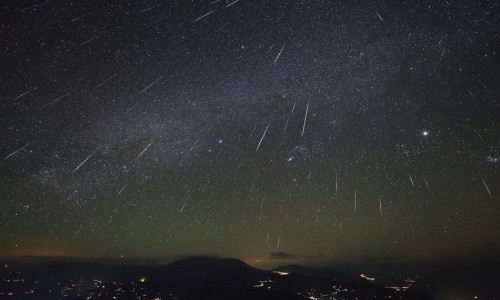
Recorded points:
(323, 131)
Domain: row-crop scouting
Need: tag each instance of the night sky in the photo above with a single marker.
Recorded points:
(270, 131)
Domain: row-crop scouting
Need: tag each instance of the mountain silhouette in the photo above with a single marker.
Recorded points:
(196, 266)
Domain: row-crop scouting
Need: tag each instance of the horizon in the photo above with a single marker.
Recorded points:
(268, 265)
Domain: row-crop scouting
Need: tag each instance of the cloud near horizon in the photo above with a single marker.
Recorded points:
(280, 255)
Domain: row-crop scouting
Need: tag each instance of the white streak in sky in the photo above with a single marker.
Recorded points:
(289, 116)
(486, 186)
(81, 17)
(145, 149)
(305, 119)
(147, 9)
(106, 80)
(150, 85)
(479, 135)
(183, 206)
(77, 232)
(25, 93)
(90, 40)
(83, 162)
(279, 54)
(123, 188)
(427, 184)
(55, 100)
(380, 205)
(355, 200)
(251, 133)
(192, 147)
(232, 3)
(262, 138)
(411, 180)
(18, 150)
(205, 15)
(336, 183)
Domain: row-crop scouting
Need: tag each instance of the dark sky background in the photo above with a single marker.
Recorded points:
(270, 131)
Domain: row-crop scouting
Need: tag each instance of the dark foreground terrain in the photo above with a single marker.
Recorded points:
(214, 278)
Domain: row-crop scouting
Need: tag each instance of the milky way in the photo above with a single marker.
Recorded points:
(324, 131)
